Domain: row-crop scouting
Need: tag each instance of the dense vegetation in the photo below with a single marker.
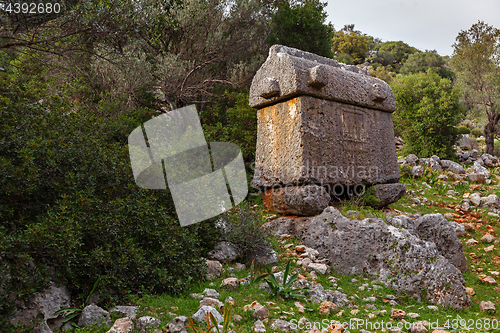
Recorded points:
(73, 86)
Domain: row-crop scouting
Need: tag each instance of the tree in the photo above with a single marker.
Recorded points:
(422, 61)
(352, 44)
(476, 61)
(400, 50)
(302, 26)
(428, 111)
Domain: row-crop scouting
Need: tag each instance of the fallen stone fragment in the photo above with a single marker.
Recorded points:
(471, 242)
(122, 325)
(470, 291)
(489, 248)
(433, 307)
(326, 307)
(224, 252)
(128, 311)
(177, 325)
(93, 315)
(487, 279)
(214, 269)
(230, 282)
(412, 315)
(260, 312)
(487, 307)
(213, 302)
(283, 325)
(397, 314)
(145, 323)
(487, 238)
(201, 314)
(259, 327)
(320, 268)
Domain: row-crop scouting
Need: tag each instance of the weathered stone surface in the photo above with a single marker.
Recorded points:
(388, 193)
(296, 72)
(297, 200)
(308, 140)
(475, 198)
(480, 169)
(417, 171)
(398, 256)
(122, 325)
(283, 325)
(487, 307)
(224, 252)
(44, 304)
(213, 302)
(264, 257)
(260, 312)
(201, 314)
(492, 201)
(214, 269)
(94, 315)
(412, 159)
(452, 166)
(177, 325)
(145, 323)
(128, 311)
(476, 177)
(211, 293)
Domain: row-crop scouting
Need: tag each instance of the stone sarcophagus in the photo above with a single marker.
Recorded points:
(324, 128)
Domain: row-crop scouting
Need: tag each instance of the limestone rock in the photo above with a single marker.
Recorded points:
(480, 169)
(487, 238)
(412, 159)
(214, 269)
(224, 252)
(260, 312)
(398, 256)
(264, 257)
(320, 268)
(453, 166)
(259, 327)
(145, 323)
(487, 307)
(177, 325)
(201, 314)
(388, 193)
(211, 293)
(122, 325)
(208, 301)
(297, 200)
(127, 311)
(417, 171)
(283, 325)
(474, 177)
(475, 198)
(93, 315)
(492, 201)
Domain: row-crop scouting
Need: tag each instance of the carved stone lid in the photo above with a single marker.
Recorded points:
(288, 72)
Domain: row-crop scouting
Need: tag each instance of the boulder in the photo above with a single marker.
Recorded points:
(492, 201)
(144, 324)
(127, 311)
(265, 256)
(214, 269)
(224, 252)
(452, 166)
(201, 314)
(474, 177)
(399, 257)
(417, 171)
(475, 198)
(388, 193)
(43, 304)
(435, 228)
(297, 200)
(122, 325)
(480, 169)
(177, 325)
(94, 315)
(412, 159)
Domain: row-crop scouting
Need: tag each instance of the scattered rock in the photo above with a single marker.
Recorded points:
(471, 242)
(475, 198)
(144, 324)
(320, 268)
(417, 171)
(211, 293)
(177, 325)
(260, 312)
(259, 327)
(94, 315)
(213, 302)
(214, 269)
(487, 279)
(230, 282)
(479, 178)
(326, 307)
(127, 311)
(459, 228)
(489, 248)
(201, 314)
(412, 159)
(388, 193)
(224, 252)
(397, 314)
(487, 307)
(470, 291)
(264, 257)
(283, 325)
(122, 325)
(453, 166)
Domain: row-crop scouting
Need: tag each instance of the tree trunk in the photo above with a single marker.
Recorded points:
(489, 134)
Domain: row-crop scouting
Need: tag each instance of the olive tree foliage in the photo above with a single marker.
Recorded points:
(427, 112)
(421, 61)
(198, 45)
(352, 44)
(476, 62)
(302, 25)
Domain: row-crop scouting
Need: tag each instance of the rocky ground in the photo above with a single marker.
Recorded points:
(439, 273)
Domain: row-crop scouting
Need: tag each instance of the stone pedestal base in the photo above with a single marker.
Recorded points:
(308, 200)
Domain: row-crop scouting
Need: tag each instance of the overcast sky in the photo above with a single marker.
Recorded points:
(424, 24)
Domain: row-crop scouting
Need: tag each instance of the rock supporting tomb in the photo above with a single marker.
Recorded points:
(321, 123)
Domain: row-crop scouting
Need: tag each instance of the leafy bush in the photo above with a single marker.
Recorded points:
(428, 109)
(284, 289)
(477, 132)
(463, 130)
(242, 228)
(71, 211)
(231, 119)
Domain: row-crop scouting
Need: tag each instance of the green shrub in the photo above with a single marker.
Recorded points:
(243, 230)
(462, 130)
(428, 109)
(71, 211)
(477, 132)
